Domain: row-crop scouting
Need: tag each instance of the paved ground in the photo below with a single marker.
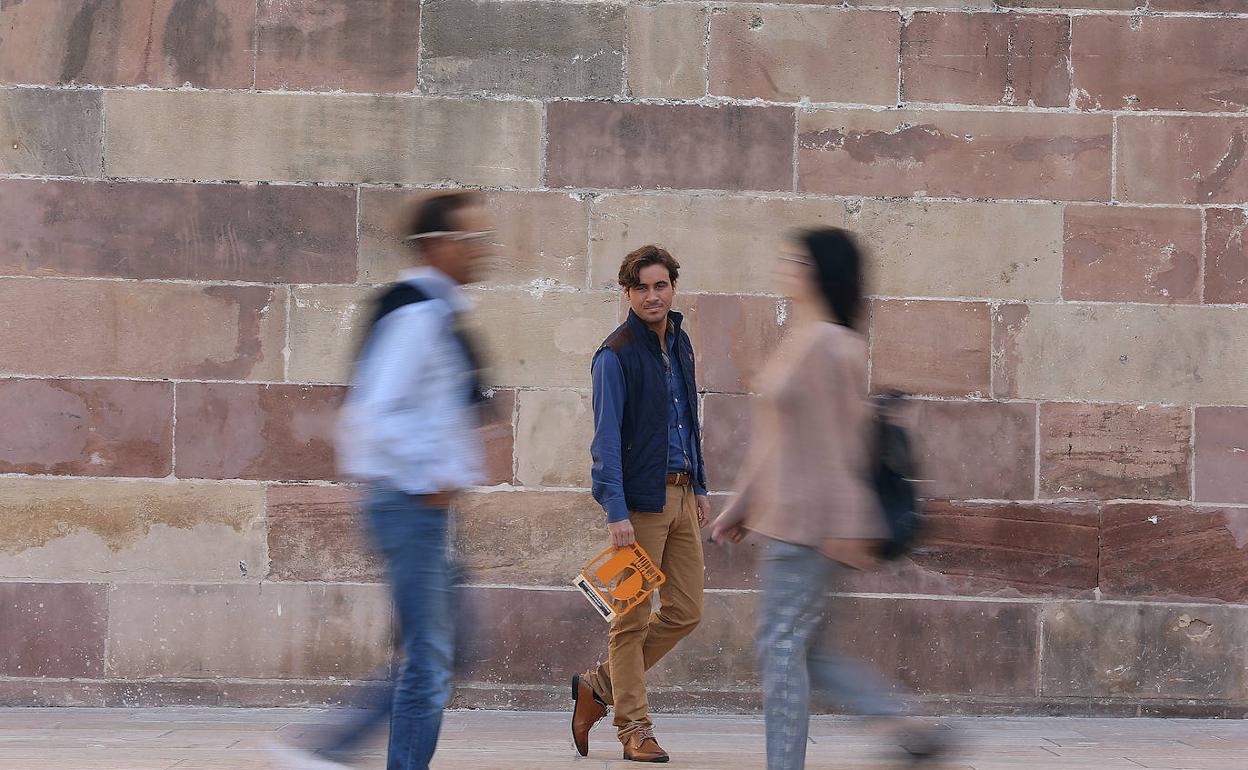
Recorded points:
(235, 739)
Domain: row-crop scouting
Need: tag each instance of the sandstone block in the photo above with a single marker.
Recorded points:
(667, 51)
(1132, 255)
(51, 132)
(931, 347)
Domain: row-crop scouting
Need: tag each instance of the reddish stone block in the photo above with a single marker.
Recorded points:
(124, 328)
(181, 231)
(725, 438)
(164, 43)
(788, 54)
(1115, 451)
(604, 144)
(1169, 551)
(499, 433)
(986, 58)
(1199, 6)
(53, 629)
(265, 432)
(1131, 255)
(733, 336)
(975, 449)
(51, 132)
(317, 534)
(1226, 256)
(1193, 159)
(527, 538)
(369, 46)
(959, 154)
(1222, 454)
(1159, 63)
(86, 427)
(931, 347)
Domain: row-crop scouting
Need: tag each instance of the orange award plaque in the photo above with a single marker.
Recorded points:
(618, 580)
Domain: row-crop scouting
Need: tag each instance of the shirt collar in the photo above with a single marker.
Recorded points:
(440, 285)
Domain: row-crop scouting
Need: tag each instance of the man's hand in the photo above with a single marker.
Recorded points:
(704, 511)
(621, 533)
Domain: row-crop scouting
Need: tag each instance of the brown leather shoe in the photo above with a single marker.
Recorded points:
(586, 711)
(641, 746)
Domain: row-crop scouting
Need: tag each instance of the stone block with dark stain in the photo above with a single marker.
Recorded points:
(178, 231)
(1144, 651)
(1226, 257)
(260, 432)
(975, 449)
(369, 46)
(599, 144)
(1115, 451)
(960, 154)
(987, 58)
(1222, 454)
(1119, 254)
(1182, 159)
(1155, 63)
(53, 629)
(527, 48)
(86, 427)
(162, 43)
(133, 329)
(1175, 551)
(931, 347)
(317, 534)
(51, 132)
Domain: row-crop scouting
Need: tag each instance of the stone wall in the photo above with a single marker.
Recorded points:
(196, 197)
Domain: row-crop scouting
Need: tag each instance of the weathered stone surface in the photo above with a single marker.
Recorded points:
(1143, 651)
(338, 138)
(934, 646)
(53, 629)
(541, 236)
(921, 248)
(725, 438)
(787, 54)
(975, 449)
(180, 231)
(1200, 6)
(963, 154)
(1193, 159)
(317, 534)
(527, 48)
(86, 427)
(986, 58)
(1155, 63)
(540, 338)
(1222, 454)
(553, 431)
(133, 329)
(353, 45)
(265, 432)
(953, 4)
(733, 336)
(125, 531)
(1168, 551)
(51, 132)
(1115, 451)
(601, 144)
(717, 240)
(528, 538)
(1121, 353)
(1226, 256)
(164, 43)
(270, 630)
(1132, 255)
(931, 347)
(326, 328)
(498, 431)
(667, 51)
(1095, 5)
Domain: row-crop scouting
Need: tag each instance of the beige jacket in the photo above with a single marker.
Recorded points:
(806, 476)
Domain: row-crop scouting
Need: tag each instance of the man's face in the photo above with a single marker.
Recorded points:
(468, 255)
(652, 299)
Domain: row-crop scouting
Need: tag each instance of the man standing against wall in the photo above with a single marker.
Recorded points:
(649, 477)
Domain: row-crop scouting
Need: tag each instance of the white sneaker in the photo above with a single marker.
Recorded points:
(291, 758)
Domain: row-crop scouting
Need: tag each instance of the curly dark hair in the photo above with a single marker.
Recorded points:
(630, 268)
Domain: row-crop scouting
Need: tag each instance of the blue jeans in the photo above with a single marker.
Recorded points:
(796, 579)
(412, 539)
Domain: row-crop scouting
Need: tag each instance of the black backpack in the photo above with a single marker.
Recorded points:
(893, 477)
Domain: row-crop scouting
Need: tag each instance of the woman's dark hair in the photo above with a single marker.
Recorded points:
(838, 271)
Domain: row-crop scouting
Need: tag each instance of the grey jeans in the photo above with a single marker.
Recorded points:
(796, 580)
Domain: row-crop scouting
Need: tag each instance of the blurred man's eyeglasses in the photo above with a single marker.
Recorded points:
(479, 238)
(797, 260)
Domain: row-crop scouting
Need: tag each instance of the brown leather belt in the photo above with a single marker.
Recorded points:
(436, 499)
(678, 479)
